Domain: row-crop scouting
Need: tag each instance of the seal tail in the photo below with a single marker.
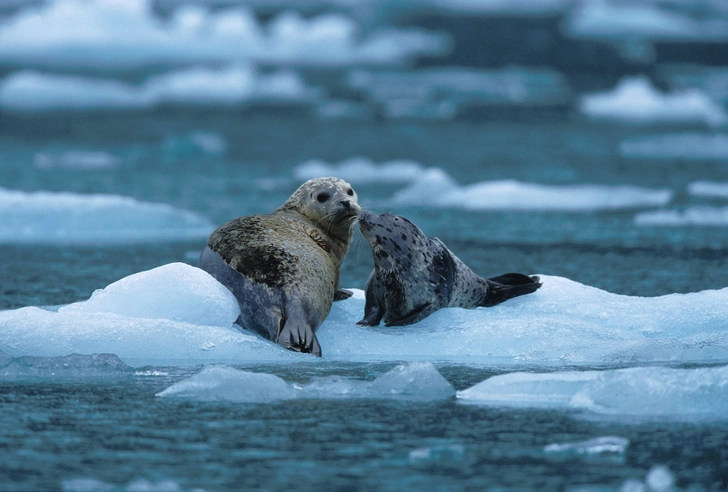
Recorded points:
(508, 286)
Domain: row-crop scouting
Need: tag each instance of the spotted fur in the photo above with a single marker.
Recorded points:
(414, 275)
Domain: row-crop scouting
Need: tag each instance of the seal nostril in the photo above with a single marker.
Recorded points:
(346, 203)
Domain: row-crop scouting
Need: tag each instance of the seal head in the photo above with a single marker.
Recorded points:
(414, 275)
(283, 267)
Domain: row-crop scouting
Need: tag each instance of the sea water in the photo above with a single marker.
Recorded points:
(129, 131)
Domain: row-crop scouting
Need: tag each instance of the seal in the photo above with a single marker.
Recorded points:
(414, 275)
(283, 267)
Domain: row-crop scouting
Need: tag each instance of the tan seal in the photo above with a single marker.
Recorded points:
(283, 267)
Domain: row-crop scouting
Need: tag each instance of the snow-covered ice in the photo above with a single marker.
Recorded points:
(103, 33)
(708, 188)
(650, 392)
(179, 313)
(29, 90)
(418, 381)
(66, 217)
(636, 100)
(434, 187)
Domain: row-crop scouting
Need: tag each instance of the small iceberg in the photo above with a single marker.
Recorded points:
(74, 218)
(649, 392)
(696, 215)
(415, 381)
(435, 188)
(635, 100)
(359, 170)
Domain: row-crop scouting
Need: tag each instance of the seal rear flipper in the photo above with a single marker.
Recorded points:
(508, 286)
(298, 336)
(419, 313)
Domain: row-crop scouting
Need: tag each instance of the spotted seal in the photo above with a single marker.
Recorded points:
(414, 275)
(283, 267)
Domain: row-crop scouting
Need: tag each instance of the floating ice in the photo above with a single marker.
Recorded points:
(696, 215)
(610, 20)
(358, 170)
(435, 187)
(443, 93)
(50, 217)
(635, 100)
(105, 33)
(76, 159)
(709, 188)
(29, 90)
(195, 143)
(414, 381)
(506, 7)
(607, 445)
(179, 313)
(693, 146)
(69, 366)
(657, 392)
(136, 485)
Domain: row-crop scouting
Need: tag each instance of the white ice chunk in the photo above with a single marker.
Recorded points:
(692, 146)
(435, 187)
(709, 188)
(358, 170)
(30, 90)
(53, 217)
(226, 383)
(656, 392)
(635, 100)
(103, 33)
(414, 381)
(695, 215)
(175, 291)
(607, 445)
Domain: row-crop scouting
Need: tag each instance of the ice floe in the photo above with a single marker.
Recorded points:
(413, 381)
(652, 392)
(85, 160)
(179, 313)
(505, 7)
(30, 90)
(635, 100)
(612, 20)
(65, 217)
(708, 188)
(695, 215)
(442, 93)
(105, 33)
(434, 187)
(692, 146)
(358, 170)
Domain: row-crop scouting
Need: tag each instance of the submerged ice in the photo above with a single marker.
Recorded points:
(180, 313)
(419, 381)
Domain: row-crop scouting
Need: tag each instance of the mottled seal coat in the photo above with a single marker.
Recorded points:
(414, 275)
(283, 267)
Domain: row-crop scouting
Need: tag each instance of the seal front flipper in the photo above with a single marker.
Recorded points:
(508, 286)
(419, 313)
(342, 294)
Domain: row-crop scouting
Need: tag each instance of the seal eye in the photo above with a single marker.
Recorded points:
(322, 197)
(350, 192)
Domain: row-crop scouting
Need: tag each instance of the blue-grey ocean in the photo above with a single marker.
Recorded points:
(585, 141)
